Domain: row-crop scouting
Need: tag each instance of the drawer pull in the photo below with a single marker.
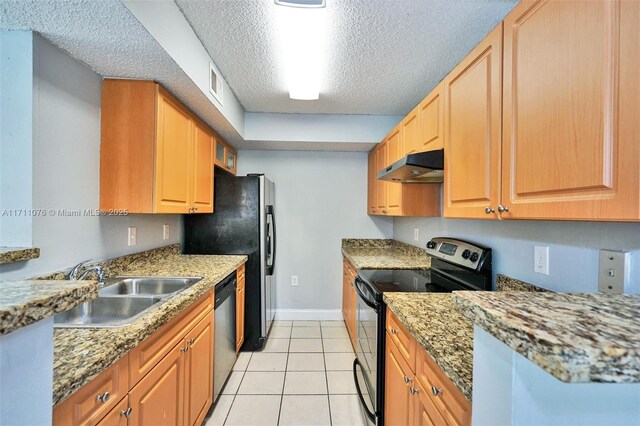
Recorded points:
(103, 397)
(126, 413)
(413, 390)
(394, 330)
(186, 348)
(436, 391)
(191, 342)
(407, 379)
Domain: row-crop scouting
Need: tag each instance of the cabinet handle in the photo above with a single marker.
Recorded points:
(413, 390)
(103, 397)
(384, 211)
(407, 379)
(186, 348)
(195, 209)
(502, 208)
(394, 330)
(126, 413)
(489, 210)
(436, 391)
(191, 342)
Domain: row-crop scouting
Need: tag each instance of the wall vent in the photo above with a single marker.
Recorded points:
(215, 82)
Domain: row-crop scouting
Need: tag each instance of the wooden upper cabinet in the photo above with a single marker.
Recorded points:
(381, 186)
(156, 156)
(472, 131)
(371, 182)
(571, 134)
(430, 133)
(410, 127)
(203, 171)
(394, 146)
(225, 157)
(174, 147)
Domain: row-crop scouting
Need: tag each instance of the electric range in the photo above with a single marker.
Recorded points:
(455, 265)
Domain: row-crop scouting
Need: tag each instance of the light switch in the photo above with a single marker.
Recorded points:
(613, 274)
(165, 232)
(132, 240)
(541, 259)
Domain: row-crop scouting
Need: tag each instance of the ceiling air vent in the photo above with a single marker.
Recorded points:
(215, 82)
(301, 3)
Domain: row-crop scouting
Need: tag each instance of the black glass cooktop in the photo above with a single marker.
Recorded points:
(407, 280)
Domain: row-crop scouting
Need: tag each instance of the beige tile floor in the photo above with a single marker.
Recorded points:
(303, 377)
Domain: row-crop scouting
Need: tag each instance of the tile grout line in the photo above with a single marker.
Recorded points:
(326, 377)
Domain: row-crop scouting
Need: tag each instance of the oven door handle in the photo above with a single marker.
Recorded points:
(371, 415)
(370, 303)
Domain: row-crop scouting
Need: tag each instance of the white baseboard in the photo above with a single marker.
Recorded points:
(309, 314)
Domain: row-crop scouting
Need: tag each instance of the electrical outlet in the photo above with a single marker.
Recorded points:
(132, 236)
(416, 234)
(165, 232)
(613, 273)
(294, 280)
(541, 259)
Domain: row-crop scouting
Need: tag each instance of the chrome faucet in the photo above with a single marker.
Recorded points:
(79, 272)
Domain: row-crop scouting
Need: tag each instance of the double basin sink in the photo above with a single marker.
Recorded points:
(122, 300)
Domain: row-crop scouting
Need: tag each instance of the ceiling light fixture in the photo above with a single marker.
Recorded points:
(302, 31)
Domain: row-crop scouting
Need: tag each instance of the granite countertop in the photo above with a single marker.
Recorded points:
(384, 254)
(27, 301)
(578, 338)
(445, 333)
(18, 254)
(82, 354)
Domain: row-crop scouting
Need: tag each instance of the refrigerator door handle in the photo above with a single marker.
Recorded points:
(272, 246)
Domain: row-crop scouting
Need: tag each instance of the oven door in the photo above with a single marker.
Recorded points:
(365, 366)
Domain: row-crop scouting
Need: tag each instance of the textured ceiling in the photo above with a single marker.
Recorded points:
(383, 56)
(105, 36)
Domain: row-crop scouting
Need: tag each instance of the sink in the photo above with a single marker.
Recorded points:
(105, 312)
(146, 286)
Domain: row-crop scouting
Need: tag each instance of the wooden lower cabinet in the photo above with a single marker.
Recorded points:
(349, 298)
(421, 394)
(240, 295)
(398, 401)
(159, 397)
(165, 380)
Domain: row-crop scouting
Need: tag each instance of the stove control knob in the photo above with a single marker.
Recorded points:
(431, 245)
(466, 254)
(474, 256)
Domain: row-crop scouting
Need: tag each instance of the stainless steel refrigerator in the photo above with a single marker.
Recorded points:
(243, 222)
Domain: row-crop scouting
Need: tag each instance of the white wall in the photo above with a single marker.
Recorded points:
(320, 199)
(16, 99)
(573, 247)
(66, 173)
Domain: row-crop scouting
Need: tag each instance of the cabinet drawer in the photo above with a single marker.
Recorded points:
(95, 399)
(444, 395)
(403, 340)
(149, 352)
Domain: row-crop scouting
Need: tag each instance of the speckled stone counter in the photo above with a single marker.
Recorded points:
(384, 254)
(25, 302)
(504, 283)
(18, 254)
(578, 338)
(447, 335)
(82, 354)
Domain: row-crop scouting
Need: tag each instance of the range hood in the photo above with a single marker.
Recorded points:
(423, 167)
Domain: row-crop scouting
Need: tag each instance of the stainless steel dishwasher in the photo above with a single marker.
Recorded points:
(224, 344)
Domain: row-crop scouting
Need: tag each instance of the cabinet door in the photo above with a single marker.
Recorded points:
(381, 186)
(173, 157)
(425, 413)
(352, 309)
(118, 416)
(221, 154)
(431, 114)
(472, 126)
(397, 399)
(158, 399)
(203, 170)
(394, 146)
(240, 298)
(410, 133)
(345, 292)
(199, 371)
(571, 145)
(232, 159)
(371, 183)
